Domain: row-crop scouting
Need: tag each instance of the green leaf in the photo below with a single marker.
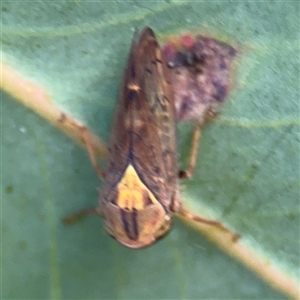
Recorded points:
(248, 166)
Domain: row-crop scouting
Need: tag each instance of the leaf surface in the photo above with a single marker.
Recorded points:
(247, 174)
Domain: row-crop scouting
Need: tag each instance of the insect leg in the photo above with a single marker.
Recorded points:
(189, 216)
(210, 115)
(193, 155)
(73, 218)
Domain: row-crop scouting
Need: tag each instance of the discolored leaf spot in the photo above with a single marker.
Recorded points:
(200, 69)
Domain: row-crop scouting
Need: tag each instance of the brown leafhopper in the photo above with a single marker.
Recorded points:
(141, 190)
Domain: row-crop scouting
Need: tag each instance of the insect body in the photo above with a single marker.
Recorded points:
(141, 178)
(140, 191)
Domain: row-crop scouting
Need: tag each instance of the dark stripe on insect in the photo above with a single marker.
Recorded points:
(148, 70)
(132, 95)
(163, 101)
(132, 69)
(129, 219)
(146, 199)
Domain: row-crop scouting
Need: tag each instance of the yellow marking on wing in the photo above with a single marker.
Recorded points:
(132, 193)
(133, 87)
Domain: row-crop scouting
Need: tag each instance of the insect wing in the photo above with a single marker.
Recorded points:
(142, 169)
